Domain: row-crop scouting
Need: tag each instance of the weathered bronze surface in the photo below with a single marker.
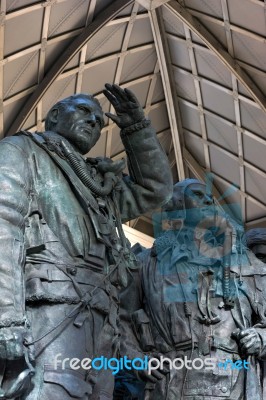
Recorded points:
(256, 242)
(64, 256)
(199, 295)
(255, 239)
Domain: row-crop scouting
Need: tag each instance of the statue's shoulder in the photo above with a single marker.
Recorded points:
(19, 140)
(251, 266)
(141, 253)
(258, 267)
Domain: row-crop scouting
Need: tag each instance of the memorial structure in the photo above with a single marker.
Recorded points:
(198, 304)
(64, 256)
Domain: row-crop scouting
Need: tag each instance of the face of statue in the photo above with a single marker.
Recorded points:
(260, 251)
(198, 203)
(80, 121)
(196, 196)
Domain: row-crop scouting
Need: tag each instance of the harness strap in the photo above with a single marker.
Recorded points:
(85, 299)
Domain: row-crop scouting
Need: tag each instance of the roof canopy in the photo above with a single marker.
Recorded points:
(197, 66)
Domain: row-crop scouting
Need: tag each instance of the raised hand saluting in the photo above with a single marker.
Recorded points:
(126, 105)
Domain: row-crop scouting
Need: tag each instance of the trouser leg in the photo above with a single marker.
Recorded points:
(55, 377)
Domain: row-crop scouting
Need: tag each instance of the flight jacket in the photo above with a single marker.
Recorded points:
(43, 221)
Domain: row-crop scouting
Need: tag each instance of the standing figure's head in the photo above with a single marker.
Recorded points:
(77, 118)
(193, 199)
(256, 242)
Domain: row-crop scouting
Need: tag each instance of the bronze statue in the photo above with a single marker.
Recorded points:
(198, 300)
(64, 256)
(255, 239)
(256, 242)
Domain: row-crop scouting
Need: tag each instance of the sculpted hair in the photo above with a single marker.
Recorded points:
(62, 104)
(255, 236)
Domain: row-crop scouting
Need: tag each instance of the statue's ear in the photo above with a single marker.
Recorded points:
(54, 115)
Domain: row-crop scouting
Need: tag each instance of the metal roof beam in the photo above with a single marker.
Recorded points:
(118, 72)
(42, 55)
(2, 43)
(238, 159)
(199, 97)
(87, 34)
(230, 45)
(83, 52)
(151, 4)
(169, 86)
(152, 86)
(224, 120)
(75, 70)
(101, 60)
(246, 195)
(218, 86)
(256, 222)
(212, 43)
(31, 8)
(232, 27)
(198, 171)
